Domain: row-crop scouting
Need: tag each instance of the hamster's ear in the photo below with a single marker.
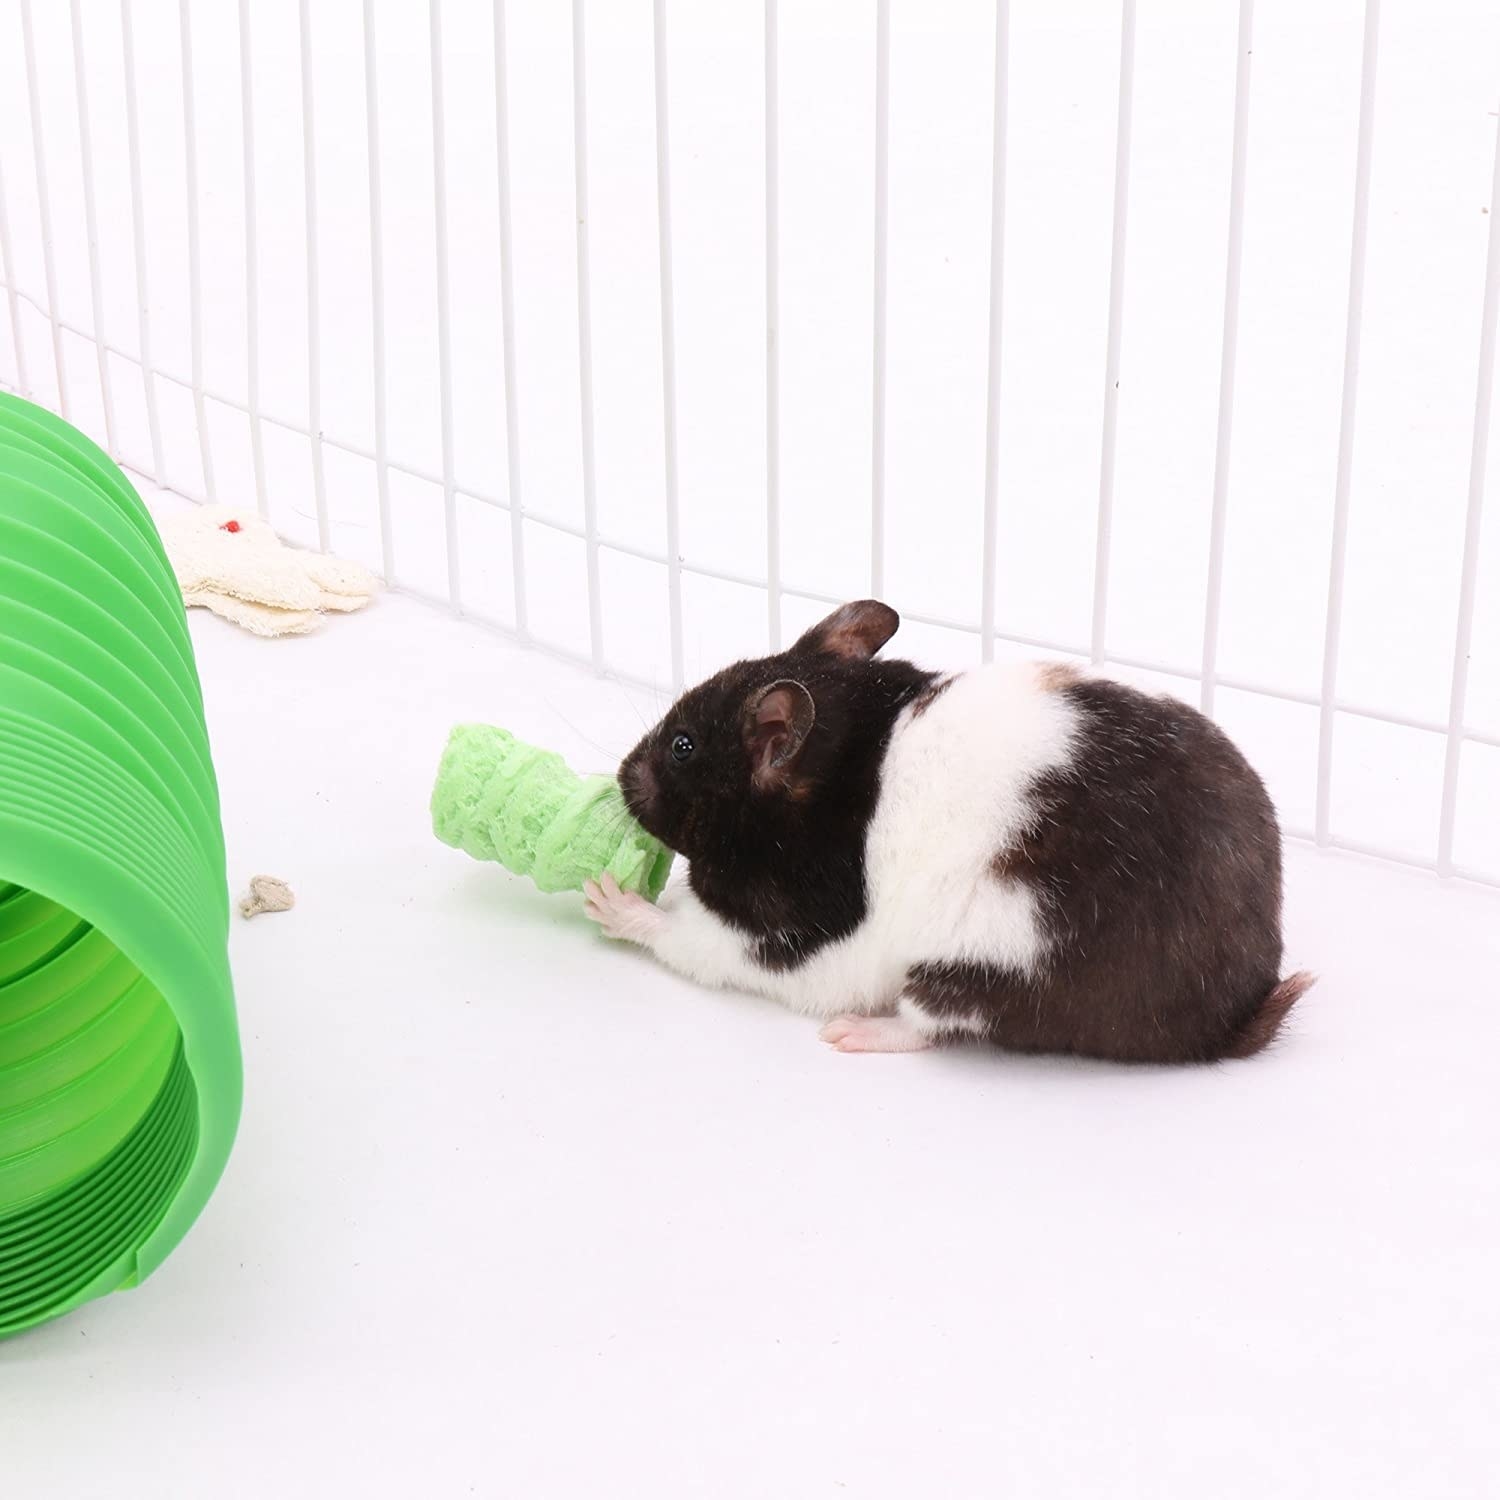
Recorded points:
(853, 631)
(778, 720)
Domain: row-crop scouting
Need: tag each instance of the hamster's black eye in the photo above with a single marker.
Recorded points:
(682, 747)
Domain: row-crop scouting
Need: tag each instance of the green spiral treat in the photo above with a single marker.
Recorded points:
(119, 1058)
(497, 798)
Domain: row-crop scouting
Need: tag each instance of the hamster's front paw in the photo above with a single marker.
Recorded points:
(622, 914)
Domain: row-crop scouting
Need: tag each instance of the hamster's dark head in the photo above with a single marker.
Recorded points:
(743, 757)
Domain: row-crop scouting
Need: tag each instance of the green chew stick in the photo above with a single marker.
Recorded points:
(497, 798)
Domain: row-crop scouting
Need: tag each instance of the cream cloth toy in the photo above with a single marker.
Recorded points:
(231, 562)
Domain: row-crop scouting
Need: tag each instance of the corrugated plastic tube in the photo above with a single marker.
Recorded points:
(119, 1054)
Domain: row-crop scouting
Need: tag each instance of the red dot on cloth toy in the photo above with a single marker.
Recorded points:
(230, 526)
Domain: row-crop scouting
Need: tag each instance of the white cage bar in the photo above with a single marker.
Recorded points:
(880, 292)
(1353, 326)
(990, 534)
(138, 248)
(91, 219)
(314, 304)
(1109, 435)
(1228, 354)
(43, 206)
(586, 338)
(12, 299)
(252, 262)
(195, 252)
(592, 533)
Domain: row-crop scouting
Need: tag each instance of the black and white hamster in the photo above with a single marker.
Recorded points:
(1018, 854)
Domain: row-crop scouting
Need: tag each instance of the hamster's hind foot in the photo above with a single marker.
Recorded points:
(873, 1034)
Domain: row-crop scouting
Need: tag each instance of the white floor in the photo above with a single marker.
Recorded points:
(514, 1214)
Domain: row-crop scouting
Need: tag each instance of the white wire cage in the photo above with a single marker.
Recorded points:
(644, 332)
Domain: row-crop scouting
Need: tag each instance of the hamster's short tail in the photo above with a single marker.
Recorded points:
(1259, 1030)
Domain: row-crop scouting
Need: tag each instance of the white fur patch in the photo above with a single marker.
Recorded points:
(931, 1025)
(954, 793)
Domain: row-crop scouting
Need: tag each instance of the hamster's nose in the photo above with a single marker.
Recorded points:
(638, 782)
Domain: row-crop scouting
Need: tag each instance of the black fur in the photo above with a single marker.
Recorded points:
(1156, 859)
(782, 862)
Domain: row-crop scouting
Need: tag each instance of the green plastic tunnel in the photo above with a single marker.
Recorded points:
(119, 1057)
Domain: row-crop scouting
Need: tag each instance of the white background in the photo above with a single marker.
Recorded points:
(513, 1214)
(516, 1214)
(1434, 140)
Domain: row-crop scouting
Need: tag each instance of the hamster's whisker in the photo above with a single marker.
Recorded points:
(614, 755)
(614, 677)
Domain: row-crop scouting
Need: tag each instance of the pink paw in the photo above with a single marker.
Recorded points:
(622, 914)
(873, 1034)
